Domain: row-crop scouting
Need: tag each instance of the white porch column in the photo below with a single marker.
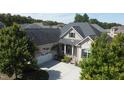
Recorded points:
(79, 51)
(72, 51)
(87, 53)
(64, 49)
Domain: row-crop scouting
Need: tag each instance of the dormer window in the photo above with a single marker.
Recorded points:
(72, 35)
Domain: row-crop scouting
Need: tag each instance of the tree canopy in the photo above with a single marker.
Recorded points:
(85, 18)
(80, 18)
(9, 19)
(106, 61)
(16, 50)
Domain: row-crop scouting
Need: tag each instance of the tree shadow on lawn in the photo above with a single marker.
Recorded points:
(54, 75)
(35, 75)
(33, 72)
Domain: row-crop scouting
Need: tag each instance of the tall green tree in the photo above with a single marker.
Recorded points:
(106, 61)
(117, 57)
(9, 19)
(16, 50)
(94, 21)
(85, 18)
(80, 18)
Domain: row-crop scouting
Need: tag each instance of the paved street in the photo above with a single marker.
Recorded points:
(62, 71)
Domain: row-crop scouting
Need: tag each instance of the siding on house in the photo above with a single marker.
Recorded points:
(86, 45)
(44, 49)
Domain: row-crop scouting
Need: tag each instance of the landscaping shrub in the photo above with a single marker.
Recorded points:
(66, 59)
(81, 62)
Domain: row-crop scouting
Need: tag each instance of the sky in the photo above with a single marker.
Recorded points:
(69, 17)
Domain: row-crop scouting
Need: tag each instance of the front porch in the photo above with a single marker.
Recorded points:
(75, 52)
(69, 47)
(70, 51)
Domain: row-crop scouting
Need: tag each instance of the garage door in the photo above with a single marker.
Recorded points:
(44, 58)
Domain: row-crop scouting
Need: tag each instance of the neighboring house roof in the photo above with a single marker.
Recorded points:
(40, 35)
(84, 29)
(117, 29)
(120, 29)
(1, 25)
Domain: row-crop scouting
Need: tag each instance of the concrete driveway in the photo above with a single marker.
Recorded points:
(62, 71)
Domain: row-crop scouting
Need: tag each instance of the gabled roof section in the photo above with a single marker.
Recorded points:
(85, 40)
(84, 29)
(92, 38)
(78, 29)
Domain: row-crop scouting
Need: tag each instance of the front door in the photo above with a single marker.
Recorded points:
(69, 50)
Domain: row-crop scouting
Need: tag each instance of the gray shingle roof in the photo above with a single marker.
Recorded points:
(78, 29)
(85, 29)
(96, 30)
(32, 26)
(120, 29)
(42, 36)
(98, 27)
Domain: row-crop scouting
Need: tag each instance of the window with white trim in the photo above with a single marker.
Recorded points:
(71, 34)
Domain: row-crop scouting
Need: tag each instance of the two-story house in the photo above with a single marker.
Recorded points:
(76, 39)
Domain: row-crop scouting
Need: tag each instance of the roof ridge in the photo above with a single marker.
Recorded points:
(83, 28)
